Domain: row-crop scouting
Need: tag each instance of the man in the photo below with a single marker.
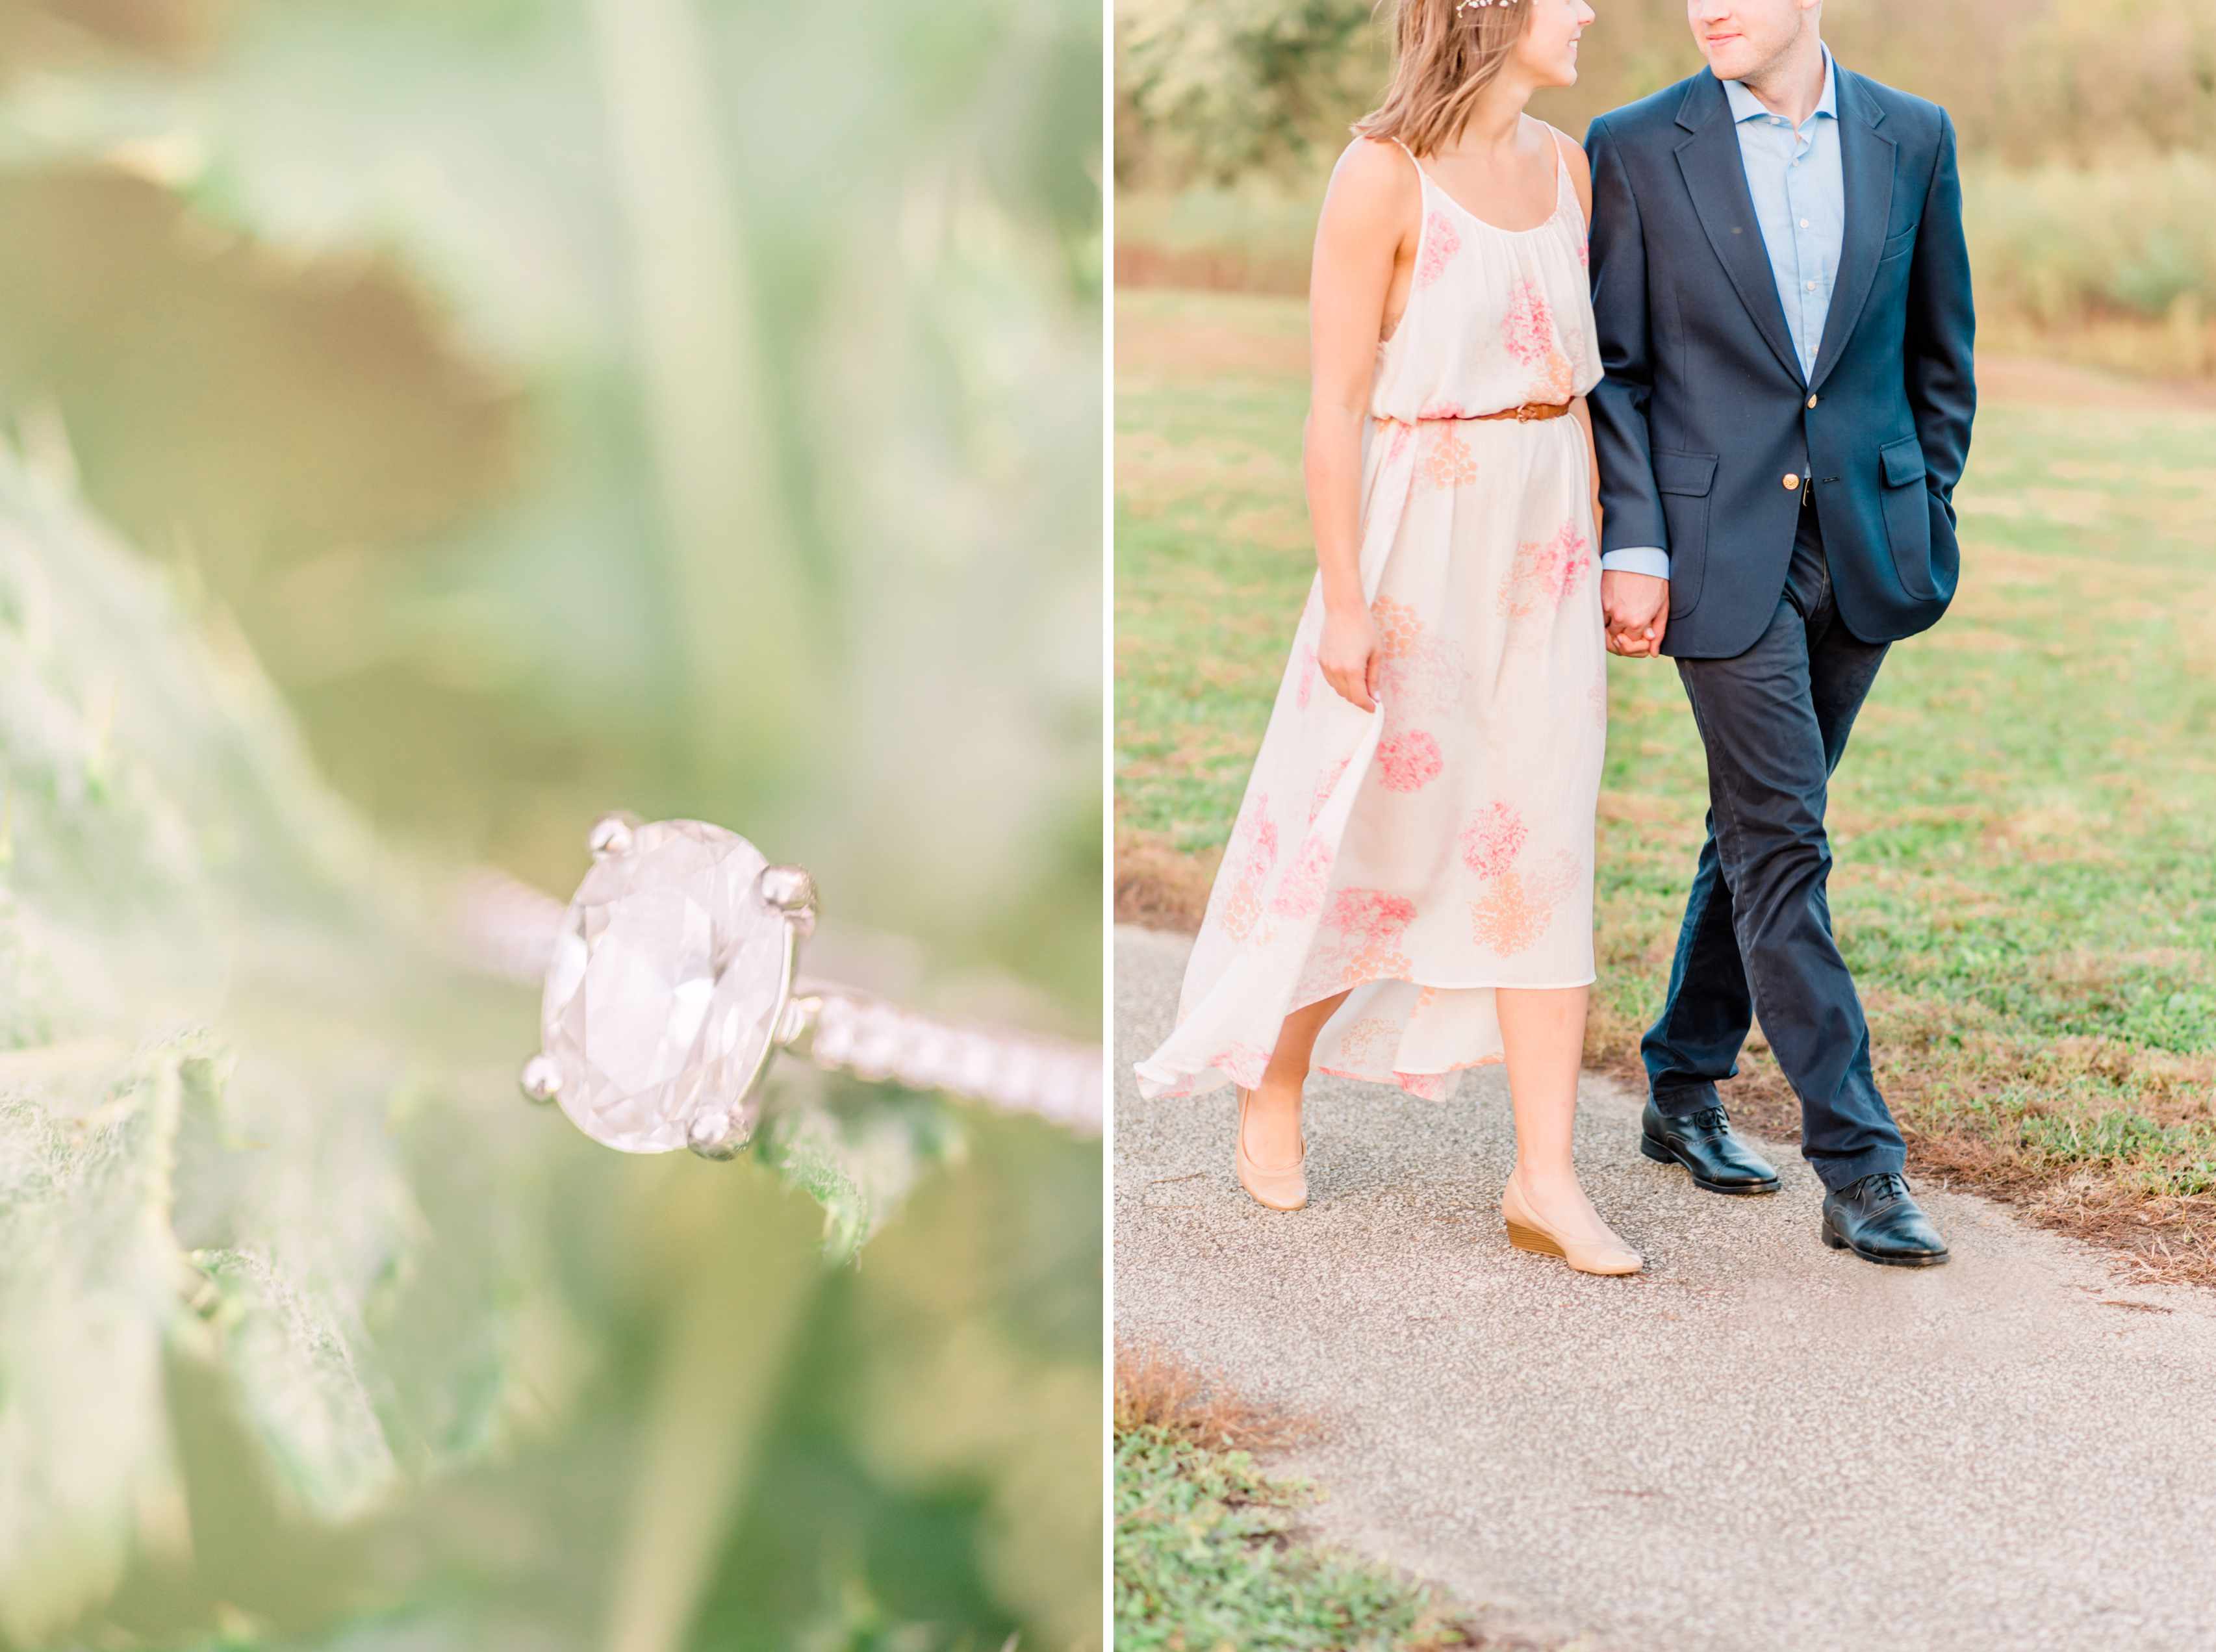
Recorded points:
(1784, 298)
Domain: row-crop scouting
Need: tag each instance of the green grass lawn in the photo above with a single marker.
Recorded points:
(1205, 1559)
(2024, 827)
(1212, 1554)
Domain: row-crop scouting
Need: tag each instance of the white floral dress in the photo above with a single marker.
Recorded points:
(1428, 852)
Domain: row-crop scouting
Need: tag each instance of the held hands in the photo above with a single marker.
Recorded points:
(1346, 654)
(1637, 608)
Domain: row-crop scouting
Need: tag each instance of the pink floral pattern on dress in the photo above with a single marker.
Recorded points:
(1515, 909)
(1246, 1062)
(1450, 464)
(1369, 925)
(1555, 381)
(1545, 571)
(1324, 788)
(1307, 675)
(1494, 837)
(1436, 1086)
(1370, 914)
(1430, 677)
(1528, 328)
(1440, 245)
(1397, 435)
(1300, 892)
(1398, 630)
(1442, 407)
(1254, 851)
(1369, 1040)
(1407, 761)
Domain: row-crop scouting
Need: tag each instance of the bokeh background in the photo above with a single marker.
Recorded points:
(2025, 862)
(428, 426)
(2087, 134)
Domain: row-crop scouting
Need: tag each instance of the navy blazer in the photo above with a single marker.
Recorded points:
(1702, 411)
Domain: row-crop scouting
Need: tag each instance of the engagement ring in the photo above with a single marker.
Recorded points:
(671, 981)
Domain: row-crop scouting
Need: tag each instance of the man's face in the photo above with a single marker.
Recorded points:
(1744, 37)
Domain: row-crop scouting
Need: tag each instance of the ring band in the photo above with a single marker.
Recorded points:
(671, 981)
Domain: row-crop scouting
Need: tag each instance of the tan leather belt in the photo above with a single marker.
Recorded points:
(1521, 415)
(1529, 410)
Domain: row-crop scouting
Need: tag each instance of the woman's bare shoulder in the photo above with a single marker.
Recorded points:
(1373, 176)
(1573, 153)
(1573, 156)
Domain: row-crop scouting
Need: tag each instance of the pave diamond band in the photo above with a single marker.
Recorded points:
(864, 1035)
(671, 981)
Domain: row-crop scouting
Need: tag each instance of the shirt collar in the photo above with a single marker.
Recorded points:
(1744, 105)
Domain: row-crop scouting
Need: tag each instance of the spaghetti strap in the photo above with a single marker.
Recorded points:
(1422, 178)
(1561, 163)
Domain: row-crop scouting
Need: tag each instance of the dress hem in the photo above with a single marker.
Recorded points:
(1449, 986)
(1173, 1082)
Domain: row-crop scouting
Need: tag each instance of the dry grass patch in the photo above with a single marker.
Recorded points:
(1160, 886)
(1157, 1387)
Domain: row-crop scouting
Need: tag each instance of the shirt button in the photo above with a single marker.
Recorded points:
(1812, 287)
(1791, 481)
(1804, 223)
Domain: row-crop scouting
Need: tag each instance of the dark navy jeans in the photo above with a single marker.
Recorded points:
(1757, 937)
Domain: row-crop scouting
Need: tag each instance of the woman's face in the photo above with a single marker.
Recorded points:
(1549, 50)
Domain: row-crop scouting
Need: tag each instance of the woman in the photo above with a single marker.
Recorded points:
(1408, 888)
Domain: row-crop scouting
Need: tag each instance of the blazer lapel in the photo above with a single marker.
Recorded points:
(1866, 159)
(1716, 177)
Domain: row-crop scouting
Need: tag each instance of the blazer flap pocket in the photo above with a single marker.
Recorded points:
(1903, 461)
(1899, 243)
(1676, 473)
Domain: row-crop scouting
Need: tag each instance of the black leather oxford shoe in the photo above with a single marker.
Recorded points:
(1704, 1144)
(1877, 1220)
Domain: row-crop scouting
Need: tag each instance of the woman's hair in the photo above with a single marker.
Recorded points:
(1443, 58)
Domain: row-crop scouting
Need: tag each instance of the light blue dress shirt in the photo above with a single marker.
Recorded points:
(1800, 196)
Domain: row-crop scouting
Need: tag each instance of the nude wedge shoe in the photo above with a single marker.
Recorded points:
(1527, 1232)
(1282, 1188)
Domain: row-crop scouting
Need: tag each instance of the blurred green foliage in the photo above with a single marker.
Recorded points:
(514, 409)
(1217, 88)
(2087, 130)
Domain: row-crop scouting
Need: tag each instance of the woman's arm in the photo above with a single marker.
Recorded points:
(1584, 416)
(1367, 213)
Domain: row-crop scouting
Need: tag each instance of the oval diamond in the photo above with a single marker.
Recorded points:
(666, 983)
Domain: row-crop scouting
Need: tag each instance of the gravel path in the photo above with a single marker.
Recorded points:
(1758, 1444)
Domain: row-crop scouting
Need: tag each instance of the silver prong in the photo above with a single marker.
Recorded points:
(800, 1015)
(791, 892)
(610, 833)
(720, 1135)
(542, 1079)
